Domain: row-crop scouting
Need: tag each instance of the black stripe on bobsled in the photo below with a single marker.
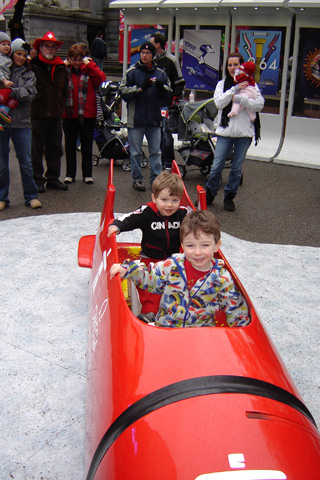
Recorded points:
(193, 387)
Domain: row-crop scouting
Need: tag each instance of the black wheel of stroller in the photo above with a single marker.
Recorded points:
(126, 165)
(183, 170)
(144, 160)
(205, 170)
(95, 160)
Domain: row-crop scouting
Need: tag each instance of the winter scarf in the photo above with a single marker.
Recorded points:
(54, 62)
(83, 89)
(228, 83)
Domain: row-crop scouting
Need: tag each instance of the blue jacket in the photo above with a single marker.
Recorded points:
(144, 106)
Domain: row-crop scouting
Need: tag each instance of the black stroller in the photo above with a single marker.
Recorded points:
(111, 134)
(196, 130)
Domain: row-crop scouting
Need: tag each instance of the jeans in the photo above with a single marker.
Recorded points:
(224, 144)
(153, 135)
(99, 62)
(167, 146)
(21, 139)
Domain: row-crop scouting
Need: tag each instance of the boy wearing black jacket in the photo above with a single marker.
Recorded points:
(159, 222)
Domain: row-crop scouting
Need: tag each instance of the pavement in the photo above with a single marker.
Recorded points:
(276, 204)
(271, 240)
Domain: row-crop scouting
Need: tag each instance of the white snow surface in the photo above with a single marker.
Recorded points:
(43, 332)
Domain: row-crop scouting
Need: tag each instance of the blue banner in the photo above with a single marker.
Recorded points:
(138, 37)
(263, 48)
(201, 58)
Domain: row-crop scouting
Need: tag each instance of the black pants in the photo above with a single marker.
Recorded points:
(72, 127)
(167, 147)
(46, 140)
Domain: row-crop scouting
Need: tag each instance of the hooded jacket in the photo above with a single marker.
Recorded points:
(144, 106)
(160, 235)
(197, 307)
(24, 90)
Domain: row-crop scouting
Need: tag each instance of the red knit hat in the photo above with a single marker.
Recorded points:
(48, 37)
(248, 68)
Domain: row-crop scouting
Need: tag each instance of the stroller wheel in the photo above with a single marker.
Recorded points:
(144, 160)
(183, 170)
(205, 170)
(95, 160)
(126, 165)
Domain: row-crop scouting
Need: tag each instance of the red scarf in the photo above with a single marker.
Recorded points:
(54, 62)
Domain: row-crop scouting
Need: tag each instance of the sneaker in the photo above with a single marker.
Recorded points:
(149, 317)
(79, 148)
(68, 180)
(139, 185)
(88, 180)
(209, 196)
(34, 203)
(2, 205)
(228, 203)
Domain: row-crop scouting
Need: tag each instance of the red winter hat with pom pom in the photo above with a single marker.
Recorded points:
(248, 68)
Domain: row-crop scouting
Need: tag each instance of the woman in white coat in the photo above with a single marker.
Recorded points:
(233, 133)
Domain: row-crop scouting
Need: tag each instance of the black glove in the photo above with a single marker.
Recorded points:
(146, 84)
(159, 85)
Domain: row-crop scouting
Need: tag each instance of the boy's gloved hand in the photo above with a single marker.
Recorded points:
(159, 85)
(146, 84)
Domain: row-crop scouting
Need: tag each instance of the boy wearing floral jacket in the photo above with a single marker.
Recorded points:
(194, 286)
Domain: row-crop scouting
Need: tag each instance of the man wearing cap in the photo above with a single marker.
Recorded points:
(169, 64)
(143, 88)
(46, 112)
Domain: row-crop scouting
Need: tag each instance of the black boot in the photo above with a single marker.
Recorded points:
(209, 196)
(228, 203)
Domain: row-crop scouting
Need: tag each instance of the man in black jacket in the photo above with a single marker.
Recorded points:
(46, 112)
(169, 64)
(144, 88)
(98, 50)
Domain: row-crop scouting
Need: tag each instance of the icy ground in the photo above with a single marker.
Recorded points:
(43, 328)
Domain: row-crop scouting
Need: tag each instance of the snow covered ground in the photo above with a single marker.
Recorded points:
(43, 329)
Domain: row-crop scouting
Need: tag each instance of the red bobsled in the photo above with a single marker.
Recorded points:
(184, 404)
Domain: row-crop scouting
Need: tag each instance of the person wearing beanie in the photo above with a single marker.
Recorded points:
(234, 133)
(144, 87)
(46, 112)
(245, 73)
(23, 90)
(169, 64)
(6, 103)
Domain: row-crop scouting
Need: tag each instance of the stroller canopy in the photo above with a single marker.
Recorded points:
(196, 119)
